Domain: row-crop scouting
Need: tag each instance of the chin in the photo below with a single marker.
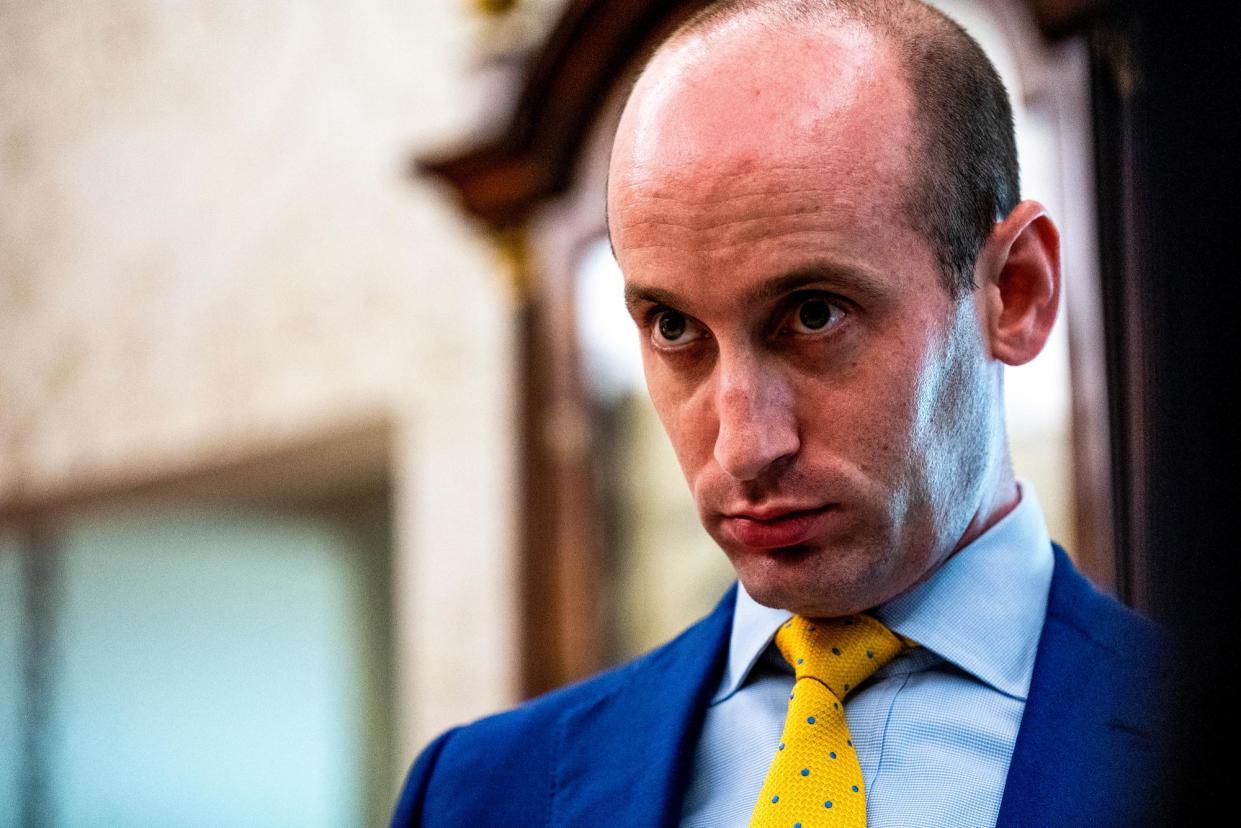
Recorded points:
(796, 579)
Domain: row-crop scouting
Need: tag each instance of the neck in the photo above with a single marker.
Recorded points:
(999, 493)
(1003, 498)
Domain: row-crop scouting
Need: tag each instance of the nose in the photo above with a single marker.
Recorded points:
(757, 421)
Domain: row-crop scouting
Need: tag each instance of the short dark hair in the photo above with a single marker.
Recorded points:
(963, 121)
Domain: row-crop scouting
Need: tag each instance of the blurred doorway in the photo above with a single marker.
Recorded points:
(201, 654)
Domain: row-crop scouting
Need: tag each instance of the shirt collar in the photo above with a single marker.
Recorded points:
(982, 611)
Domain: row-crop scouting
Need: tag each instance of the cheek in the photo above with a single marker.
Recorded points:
(953, 421)
(689, 424)
(958, 396)
(867, 413)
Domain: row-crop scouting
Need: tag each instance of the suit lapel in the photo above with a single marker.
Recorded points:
(1087, 733)
(1086, 736)
(624, 759)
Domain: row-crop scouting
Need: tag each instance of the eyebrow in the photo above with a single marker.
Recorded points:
(865, 284)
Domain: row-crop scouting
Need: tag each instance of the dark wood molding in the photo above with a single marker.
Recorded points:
(503, 180)
(1168, 124)
(507, 182)
(1060, 18)
(1114, 85)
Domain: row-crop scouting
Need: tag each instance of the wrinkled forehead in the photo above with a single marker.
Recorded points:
(752, 97)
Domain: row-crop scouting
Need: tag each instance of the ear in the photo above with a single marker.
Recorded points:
(1018, 275)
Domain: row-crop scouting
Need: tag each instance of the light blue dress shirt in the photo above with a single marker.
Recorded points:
(935, 728)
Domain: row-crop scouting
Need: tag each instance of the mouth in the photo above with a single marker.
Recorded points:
(775, 528)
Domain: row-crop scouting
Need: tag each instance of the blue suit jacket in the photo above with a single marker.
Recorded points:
(617, 749)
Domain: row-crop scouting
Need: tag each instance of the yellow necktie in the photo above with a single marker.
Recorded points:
(815, 778)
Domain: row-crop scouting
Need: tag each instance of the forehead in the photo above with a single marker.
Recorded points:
(804, 83)
(754, 122)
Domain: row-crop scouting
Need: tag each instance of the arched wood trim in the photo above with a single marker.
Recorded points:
(503, 180)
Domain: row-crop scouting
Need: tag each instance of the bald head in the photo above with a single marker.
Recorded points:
(947, 115)
(727, 119)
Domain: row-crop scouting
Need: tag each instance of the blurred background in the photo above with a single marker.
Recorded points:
(317, 392)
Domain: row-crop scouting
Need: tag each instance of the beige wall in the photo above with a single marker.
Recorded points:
(209, 245)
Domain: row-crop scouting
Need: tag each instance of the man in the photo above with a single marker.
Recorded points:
(815, 207)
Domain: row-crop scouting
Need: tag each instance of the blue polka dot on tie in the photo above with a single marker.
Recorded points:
(870, 653)
(801, 661)
(832, 754)
(827, 804)
(855, 788)
(774, 800)
(782, 746)
(810, 720)
(835, 651)
(850, 743)
(835, 705)
(796, 825)
(805, 771)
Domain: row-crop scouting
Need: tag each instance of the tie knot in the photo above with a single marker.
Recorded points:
(840, 653)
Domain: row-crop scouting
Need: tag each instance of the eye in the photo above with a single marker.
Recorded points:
(673, 329)
(814, 314)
